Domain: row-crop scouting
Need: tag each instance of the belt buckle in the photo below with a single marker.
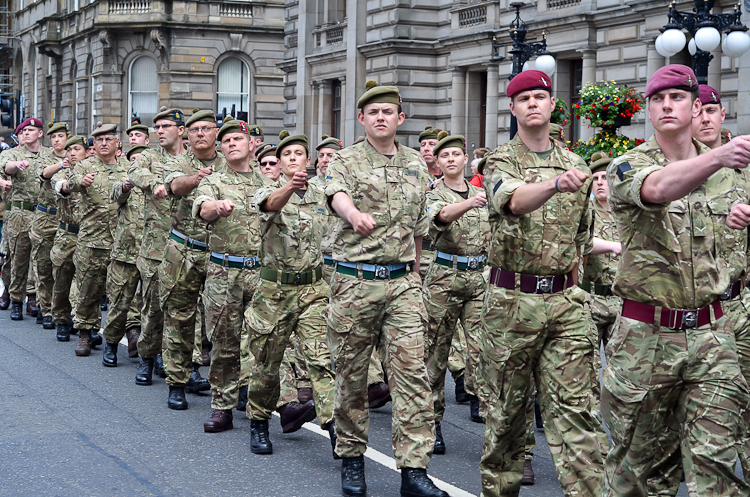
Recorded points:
(473, 263)
(689, 319)
(383, 272)
(248, 263)
(544, 284)
(297, 278)
(728, 294)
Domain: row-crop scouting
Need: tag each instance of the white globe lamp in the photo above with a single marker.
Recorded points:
(707, 38)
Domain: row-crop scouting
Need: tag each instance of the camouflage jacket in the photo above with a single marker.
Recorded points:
(602, 268)
(469, 235)
(391, 191)
(98, 212)
(147, 173)
(290, 238)
(545, 241)
(181, 208)
(676, 254)
(238, 234)
(130, 222)
(25, 185)
(47, 195)
(68, 206)
(332, 223)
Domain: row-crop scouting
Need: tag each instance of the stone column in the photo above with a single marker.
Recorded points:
(490, 126)
(458, 102)
(588, 75)
(653, 63)
(315, 113)
(356, 70)
(714, 70)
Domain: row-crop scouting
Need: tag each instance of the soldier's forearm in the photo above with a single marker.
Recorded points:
(183, 185)
(51, 170)
(11, 168)
(530, 197)
(144, 179)
(278, 199)
(208, 211)
(343, 206)
(452, 212)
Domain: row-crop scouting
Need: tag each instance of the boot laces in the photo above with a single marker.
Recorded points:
(355, 471)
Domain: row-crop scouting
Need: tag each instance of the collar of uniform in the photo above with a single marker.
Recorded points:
(372, 152)
(601, 210)
(653, 145)
(522, 150)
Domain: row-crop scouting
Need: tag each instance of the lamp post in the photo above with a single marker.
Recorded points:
(705, 29)
(522, 51)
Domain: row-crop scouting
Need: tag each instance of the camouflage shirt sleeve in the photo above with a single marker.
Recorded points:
(207, 191)
(140, 173)
(502, 177)
(435, 203)
(626, 175)
(337, 180)
(261, 196)
(76, 176)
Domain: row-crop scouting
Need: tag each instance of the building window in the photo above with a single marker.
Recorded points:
(233, 89)
(576, 85)
(144, 89)
(336, 110)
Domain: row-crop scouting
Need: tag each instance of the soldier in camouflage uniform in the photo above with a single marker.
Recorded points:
(183, 270)
(225, 200)
(21, 168)
(377, 188)
(147, 174)
(138, 133)
(269, 164)
(534, 316)
(292, 295)
(94, 179)
(454, 284)
(672, 352)
(44, 227)
(63, 248)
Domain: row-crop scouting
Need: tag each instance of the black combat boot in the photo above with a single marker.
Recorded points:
(109, 358)
(331, 429)
(159, 367)
(63, 332)
(196, 383)
(176, 399)
(96, 338)
(242, 401)
(439, 442)
(145, 370)
(416, 483)
(104, 303)
(461, 395)
(48, 323)
(353, 476)
(259, 441)
(16, 310)
(39, 318)
(474, 411)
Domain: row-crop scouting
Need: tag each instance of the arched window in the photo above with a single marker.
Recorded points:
(144, 89)
(233, 88)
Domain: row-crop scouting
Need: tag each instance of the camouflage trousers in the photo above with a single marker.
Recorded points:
(389, 315)
(8, 268)
(152, 317)
(64, 292)
(604, 312)
(276, 311)
(530, 422)
(125, 300)
(549, 335)
(91, 277)
(451, 296)
(181, 277)
(693, 376)
(458, 351)
(226, 296)
(19, 244)
(201, 337)
(42, 237)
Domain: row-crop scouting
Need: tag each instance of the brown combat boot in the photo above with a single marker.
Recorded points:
(32, 308)
(133, 334)
(84, 343)
(5, 300)
(220, 420)
(294, 415)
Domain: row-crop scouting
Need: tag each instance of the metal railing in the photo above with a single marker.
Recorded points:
(329, 35)
(236, 10)
(130, 7)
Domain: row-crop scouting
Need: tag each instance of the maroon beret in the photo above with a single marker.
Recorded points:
(709, 95)
(31, 121)
(529, 80)
(672, 76)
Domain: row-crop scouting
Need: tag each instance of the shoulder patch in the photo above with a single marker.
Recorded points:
(494, 190)
(622, 168)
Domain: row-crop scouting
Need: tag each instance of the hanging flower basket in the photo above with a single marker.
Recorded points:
(607, 141)
(607, 104)
(560, 114)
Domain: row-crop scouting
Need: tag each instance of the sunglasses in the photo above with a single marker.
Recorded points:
(269, 163)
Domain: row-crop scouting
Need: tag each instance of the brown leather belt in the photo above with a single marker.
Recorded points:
(733, 291)
(531, 283)
(675, 319)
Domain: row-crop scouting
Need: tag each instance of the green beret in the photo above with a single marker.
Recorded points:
(75, 140)
(289, 139)
(231, 125)
(54, 127)
(375, 94)
(104, 129)
(137, 126)
(254, 130)
(175, 115)
(201, 115)
(265, 150)
(480, 166)
(136, 149)
(599, 161)
(429, 133)
(329, 142)
(451, 141)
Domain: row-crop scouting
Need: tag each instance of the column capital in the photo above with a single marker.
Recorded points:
(587, 53)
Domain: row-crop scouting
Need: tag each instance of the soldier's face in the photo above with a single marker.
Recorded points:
(236, 147)
(672, 110)
(169, 132)
(90, 152)
(324, 157)
(138, 138)
(707, 126)
(106, 146)
(452, 161)
(202, 135)
(133, 157)
(425, 148)
(293, 159)
(58, 140)
(75, 154)
(601, 187)
(381, 121)
(31, 135)
(532, 108)
(270, 167)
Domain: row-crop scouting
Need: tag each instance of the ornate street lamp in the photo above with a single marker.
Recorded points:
(705, 28)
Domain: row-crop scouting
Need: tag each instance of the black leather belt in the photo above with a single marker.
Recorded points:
(72, 228)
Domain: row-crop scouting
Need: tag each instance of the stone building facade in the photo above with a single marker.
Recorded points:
(302, 64)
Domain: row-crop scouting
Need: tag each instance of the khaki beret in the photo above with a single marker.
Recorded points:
(136, 149)
(104, 129)
(429, 133)
(448, 141)
(375, 94)
(53, 127)
(289, 139)
(175, 115)
(76, 140)
(201, 115)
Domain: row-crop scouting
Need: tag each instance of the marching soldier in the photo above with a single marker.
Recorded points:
(534, 315)
(137, 133)
(377, 189)
(269, 164)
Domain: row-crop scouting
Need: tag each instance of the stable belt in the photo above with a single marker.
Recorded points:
(375, 271)
(427, 245)
(461, 261)
(733, 291)
(290, 278)
(675, 319)
(597, 288)
(71, 228)
(186, 241)
(227, 260)
(23, 205)
(328, 260)
(48, 210)
(530, 283)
